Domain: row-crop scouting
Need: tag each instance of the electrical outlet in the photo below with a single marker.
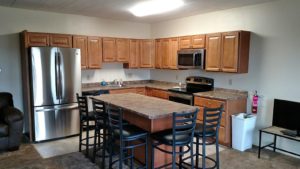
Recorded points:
(230, 82)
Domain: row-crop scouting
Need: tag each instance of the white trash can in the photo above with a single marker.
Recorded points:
(242, 131)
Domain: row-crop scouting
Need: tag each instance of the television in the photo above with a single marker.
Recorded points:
(286, 114)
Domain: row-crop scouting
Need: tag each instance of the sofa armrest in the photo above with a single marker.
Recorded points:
(11, 115)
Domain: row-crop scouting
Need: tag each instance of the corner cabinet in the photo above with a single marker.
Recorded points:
(147, 54)
(231, 107)
(228, 52)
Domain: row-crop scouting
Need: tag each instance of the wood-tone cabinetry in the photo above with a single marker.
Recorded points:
(158, 53)
(228, 52)
(193, 41)
(109, 49)
(165, 53)
(115, 50)
(173, 48)
(134, 53)
(157, 93)
(138, 90)
(147, 53)
(47, 39)
(122, 46)
(230, 107)
(91, 51)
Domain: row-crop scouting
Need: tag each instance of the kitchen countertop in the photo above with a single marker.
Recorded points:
(223, 94)
(153, 84)
(149, 107)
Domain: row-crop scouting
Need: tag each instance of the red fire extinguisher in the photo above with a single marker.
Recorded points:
(254, 102)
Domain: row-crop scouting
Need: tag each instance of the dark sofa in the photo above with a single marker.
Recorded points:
(11, 123)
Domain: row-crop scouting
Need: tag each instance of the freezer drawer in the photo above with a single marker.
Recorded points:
(52, 122)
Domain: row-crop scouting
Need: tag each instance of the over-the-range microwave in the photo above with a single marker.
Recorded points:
(191, 58)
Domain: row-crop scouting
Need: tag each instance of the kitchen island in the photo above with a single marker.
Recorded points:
(149, 113)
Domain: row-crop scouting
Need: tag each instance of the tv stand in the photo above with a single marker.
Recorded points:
(291, 133)
(276, 132)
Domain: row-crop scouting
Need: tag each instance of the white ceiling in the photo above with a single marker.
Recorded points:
(118, 9)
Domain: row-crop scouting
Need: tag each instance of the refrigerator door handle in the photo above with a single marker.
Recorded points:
(56, 108)
(57, 76)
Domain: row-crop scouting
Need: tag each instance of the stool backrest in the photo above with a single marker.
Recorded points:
(115, 119)
(100, 113)
(184, 127)
(212, 120)
(82, 105)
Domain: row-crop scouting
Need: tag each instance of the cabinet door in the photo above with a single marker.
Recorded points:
(173, 47)
(185, 42)
(37, 39)
(213, 52)
(158, 54)
(61, 40)
(230, 49)
(94, 52)
(165, 53)
(122, 46)
(198, 41)
(134, 53)
(109, 49)
(147, 54)
(81, 43)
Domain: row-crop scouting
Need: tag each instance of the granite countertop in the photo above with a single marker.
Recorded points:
(153, 84)
(223, 94)
(149, 107)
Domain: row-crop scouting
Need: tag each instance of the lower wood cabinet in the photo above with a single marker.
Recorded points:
(230, 107)
(144, 91)
(157, 93)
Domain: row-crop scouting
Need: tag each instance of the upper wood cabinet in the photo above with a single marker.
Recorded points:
(36, 39)
(61, 40)
(213, 52)
(228, 52)
(173, 48)
(134, 53)
(193, 41)
(109, 49)
(94, 52)
(81, 43)
(158, 54)
(147, 54)
(122, 46)
(165, 53)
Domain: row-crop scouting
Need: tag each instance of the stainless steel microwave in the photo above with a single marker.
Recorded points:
(191, 58)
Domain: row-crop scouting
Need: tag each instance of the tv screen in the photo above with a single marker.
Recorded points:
(286, 114)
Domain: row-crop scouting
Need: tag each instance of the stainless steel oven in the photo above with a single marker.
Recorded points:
(181, 98)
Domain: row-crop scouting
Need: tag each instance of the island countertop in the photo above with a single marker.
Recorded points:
(148, 107)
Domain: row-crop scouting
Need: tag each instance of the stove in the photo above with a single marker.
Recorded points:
(194, 84)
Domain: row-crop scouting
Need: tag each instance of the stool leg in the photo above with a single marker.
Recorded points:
(217, 154)
(192, 155)
(121, 154)
(203, 151)
(110, 155)
(95, 145)
(80, 136)
(87, 138)
(173, 157)
(146, 152)
(103, 148)
(197, 152)
(152, 156)
(180, 157)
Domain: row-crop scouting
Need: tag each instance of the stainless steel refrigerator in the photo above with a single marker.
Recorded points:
(55, 80)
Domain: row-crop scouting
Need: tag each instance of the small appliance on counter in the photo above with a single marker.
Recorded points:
(194, 84)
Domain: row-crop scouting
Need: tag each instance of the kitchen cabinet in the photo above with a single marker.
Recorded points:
(158, 53)
(173, 48)
(213, 52)
(228, 52)
(36, 39)
(94, 52)
(138, 90)
(81, 42)
(147, 53)
(141, 90)
(61, 40)
(122, 47)
(109, 49)
(193, 41)
(157, 93)
(165, 53)
(134, 53)
(231, 107)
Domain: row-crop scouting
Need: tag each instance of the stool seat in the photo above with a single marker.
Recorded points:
(210, 132)
(90, 116)
(166, 137)
(130, 132)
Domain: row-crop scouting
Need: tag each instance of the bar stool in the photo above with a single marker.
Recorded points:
(85, 118)
(127, 136)
(180, 136)
(208, 132)
(101, 118)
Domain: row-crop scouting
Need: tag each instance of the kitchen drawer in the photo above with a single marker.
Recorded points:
(200, 116)
(160, 94)
(117, 91)
(141, 90)
(204, 102)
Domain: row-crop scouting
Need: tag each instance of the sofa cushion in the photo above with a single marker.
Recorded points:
(5, 100)
(3, 130)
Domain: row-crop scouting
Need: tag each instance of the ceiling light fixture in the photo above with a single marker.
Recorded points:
(155, 7)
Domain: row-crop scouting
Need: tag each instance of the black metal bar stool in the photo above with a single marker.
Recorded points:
(208, 132)
(85, 118)
(101, 118)
(180, 136)
(128, 138)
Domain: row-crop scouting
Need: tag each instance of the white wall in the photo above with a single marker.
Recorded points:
(274, 53)
(15, 20)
